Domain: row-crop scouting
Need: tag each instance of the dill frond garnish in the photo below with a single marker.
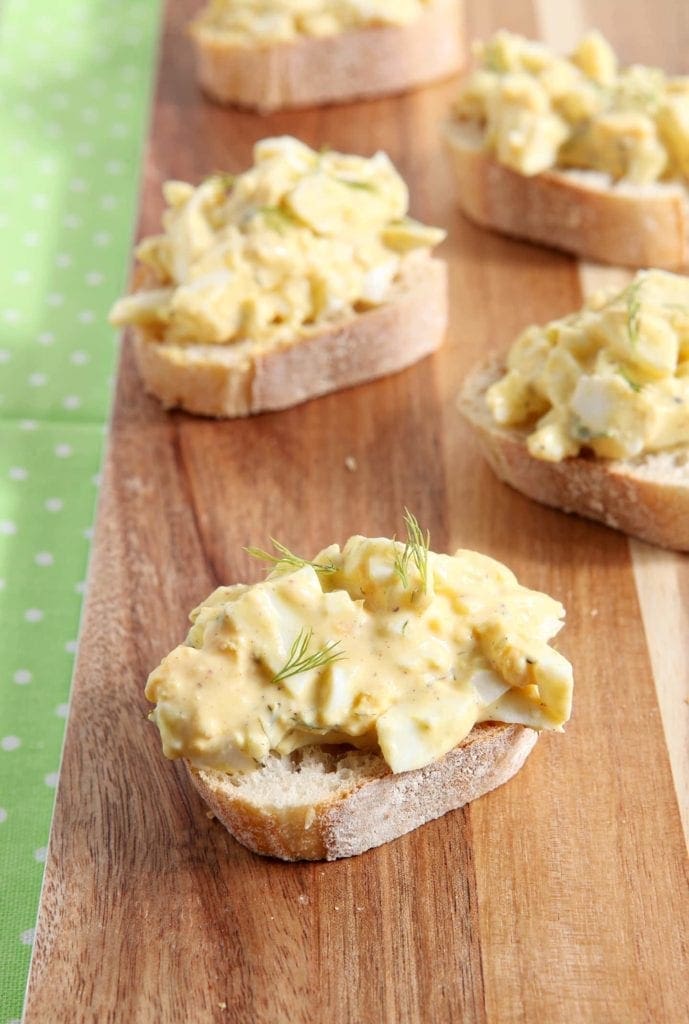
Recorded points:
(277, 219)
(632, 383)
(400, 566)
(286, 557)
(299, 660)
(415, 551)
(634, 310)
(584, 433)
(226, 179)
(419, 545)
(364, 186)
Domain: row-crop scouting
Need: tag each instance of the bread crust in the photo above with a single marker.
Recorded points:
(577, 211)
(356, 64)
(647, 497)
(378, 807)
(241, 379)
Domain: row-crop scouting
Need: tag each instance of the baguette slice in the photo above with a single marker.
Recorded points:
(581, 212)
(244, 378)
(647, 497)
(356, 64)
(323, 803)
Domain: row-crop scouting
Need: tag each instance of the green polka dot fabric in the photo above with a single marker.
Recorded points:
(75, 80)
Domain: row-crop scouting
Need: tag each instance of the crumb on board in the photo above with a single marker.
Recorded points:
(222, 1006)
(594, 612)
(303, 898)
(350, 463)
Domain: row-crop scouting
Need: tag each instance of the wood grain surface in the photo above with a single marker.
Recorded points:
(560, 897)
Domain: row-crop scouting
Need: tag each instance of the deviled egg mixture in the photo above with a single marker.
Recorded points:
(539, 111)
(612, 378)
(266, 22)
(300, 240)
(381, 645)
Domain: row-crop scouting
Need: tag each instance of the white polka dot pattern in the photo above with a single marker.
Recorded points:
(75, 83)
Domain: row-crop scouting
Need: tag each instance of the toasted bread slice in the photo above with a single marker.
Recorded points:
(581, 212)
(244, 378)
(321, 803)
(356, 64)
(647, 497)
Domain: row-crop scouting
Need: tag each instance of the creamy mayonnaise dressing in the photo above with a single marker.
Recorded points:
(414, 664)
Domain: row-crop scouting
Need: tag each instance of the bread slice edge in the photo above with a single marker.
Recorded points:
(580, 212)
(646, 497)
(375, 806)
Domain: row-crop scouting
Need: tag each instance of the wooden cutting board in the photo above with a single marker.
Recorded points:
(560, 897)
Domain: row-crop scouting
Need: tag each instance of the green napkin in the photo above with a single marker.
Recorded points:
(75, 80)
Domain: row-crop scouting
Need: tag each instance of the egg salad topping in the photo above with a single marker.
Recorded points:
(375, 645)
(612, 378)
(252, 22)
(299, 240)
(540, 111)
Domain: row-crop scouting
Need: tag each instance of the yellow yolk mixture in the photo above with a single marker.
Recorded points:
(363, 646)
(612, 378)
(300, 240)
(265, 22)
(539, 111)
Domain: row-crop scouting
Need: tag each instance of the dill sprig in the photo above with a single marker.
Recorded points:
(400, 566)
(419, 544)
(287, 557)
(584, 433)
(299, 660)
(226, 179)
(632, 383)
(634, 310)
(415, 551)
(364, 186)
(276, 218)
